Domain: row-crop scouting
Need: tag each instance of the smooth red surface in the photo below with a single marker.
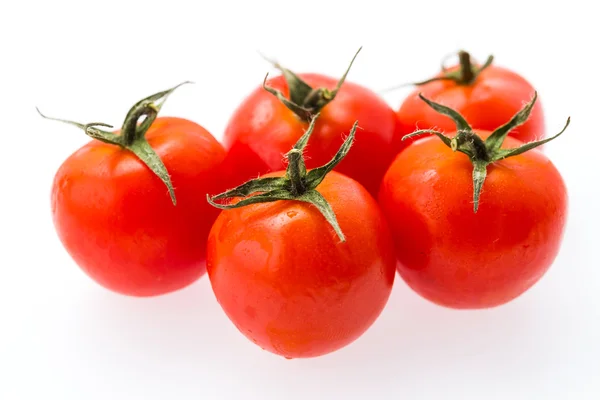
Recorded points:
(117, 221)
(262, 130)
(285, 280)
(491, 101)
(460, 259)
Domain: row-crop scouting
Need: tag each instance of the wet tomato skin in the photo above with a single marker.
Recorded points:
(262, 130)
(286, 281)
(461, 259)
(116, 219)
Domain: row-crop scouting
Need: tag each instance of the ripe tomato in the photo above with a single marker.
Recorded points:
(485, 96)
(280, 272)
(114, 216)
(459, 258)
(264, 127)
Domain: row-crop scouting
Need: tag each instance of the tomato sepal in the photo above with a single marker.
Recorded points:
(483, 152)
(465, 74)
(132, 133)
(297, 183)
(304, 100)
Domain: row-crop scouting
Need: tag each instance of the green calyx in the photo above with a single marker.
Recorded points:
(304, 100)
(297, 183)
(132, 134)
(466, 73)
(483, 152)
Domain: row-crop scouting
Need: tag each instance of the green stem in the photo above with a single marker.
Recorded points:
(131, 130)
(296, 171)
(467, 74)
(471, 144)
(132, 135)
(297, 184)
(483, 152)
(305, 101)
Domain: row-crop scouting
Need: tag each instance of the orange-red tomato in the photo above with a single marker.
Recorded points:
(281, 274)
(461, 259)
(115, 217)
(490, 100)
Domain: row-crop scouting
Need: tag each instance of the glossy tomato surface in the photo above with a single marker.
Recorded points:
(461, 259)
(489, 102)
(286, 280)
(262, 130)
(117, 221)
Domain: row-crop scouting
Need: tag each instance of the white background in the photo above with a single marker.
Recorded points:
(64, 337)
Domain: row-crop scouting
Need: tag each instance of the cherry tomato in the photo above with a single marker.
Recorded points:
(114, 216)
(459, 258)
(284, 277)
(486, 96)
(264, 127)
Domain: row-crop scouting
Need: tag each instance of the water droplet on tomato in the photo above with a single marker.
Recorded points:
(292, 214)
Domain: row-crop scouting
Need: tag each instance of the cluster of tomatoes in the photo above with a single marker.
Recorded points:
(318, 195)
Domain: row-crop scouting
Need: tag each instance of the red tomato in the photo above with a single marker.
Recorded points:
(281, 275)
(487, 101)
(115, 218)
(263, 129)
(280, 271)
(461, 259)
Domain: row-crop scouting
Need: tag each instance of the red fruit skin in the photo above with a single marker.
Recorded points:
(465, 260)
(262, 130)
(286, 281)
(491, 101)
(115, 217)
